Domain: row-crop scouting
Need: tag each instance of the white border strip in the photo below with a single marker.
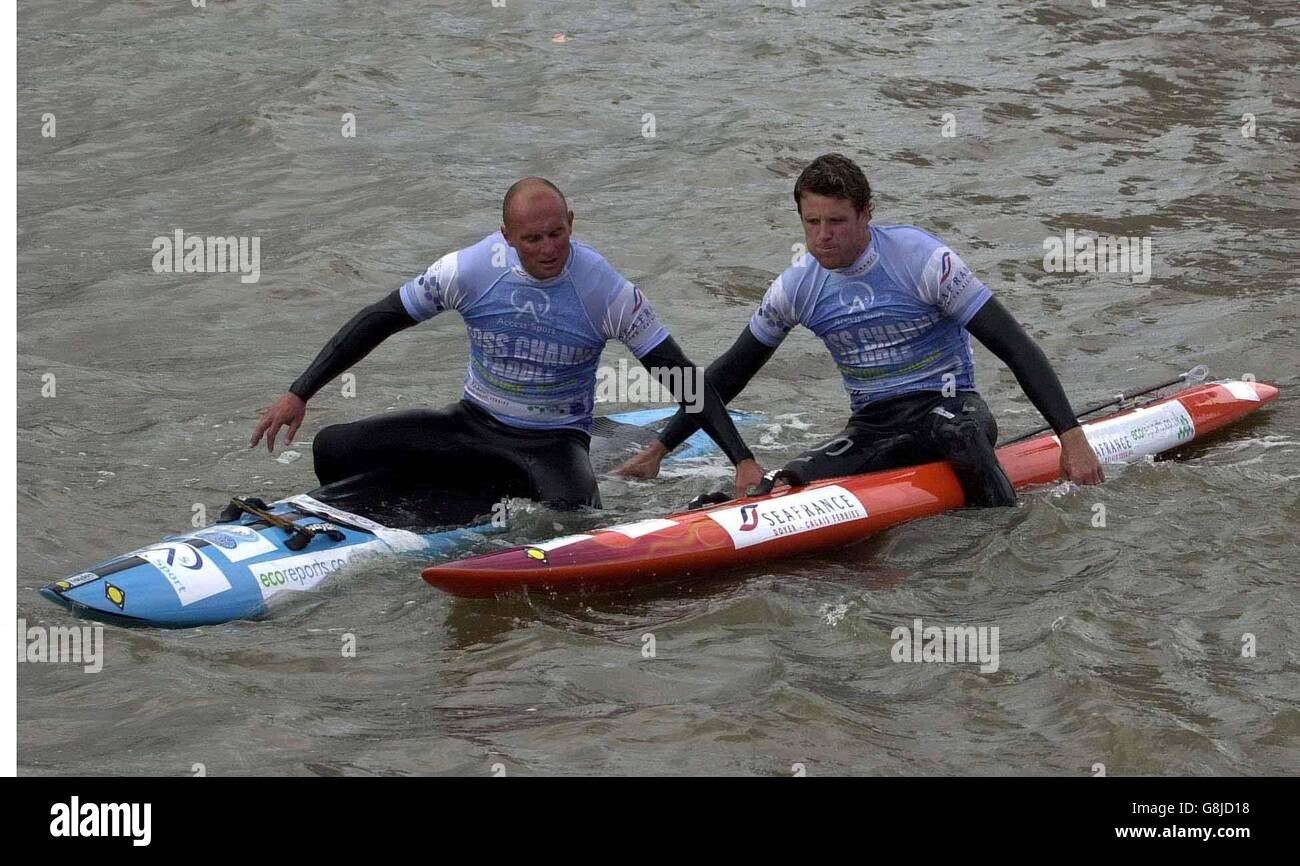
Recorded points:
(9, 521)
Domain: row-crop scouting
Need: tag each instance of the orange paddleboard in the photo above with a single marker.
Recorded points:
(826, 514)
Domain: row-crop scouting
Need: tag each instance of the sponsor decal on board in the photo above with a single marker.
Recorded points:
(298, 573)
(1142, 432)
(794, 513)
(75, 581)
(235, 542)
(192, 575)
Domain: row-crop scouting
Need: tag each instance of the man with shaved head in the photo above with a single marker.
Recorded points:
(539, 308)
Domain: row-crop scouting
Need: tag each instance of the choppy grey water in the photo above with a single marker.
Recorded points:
(1119, 645)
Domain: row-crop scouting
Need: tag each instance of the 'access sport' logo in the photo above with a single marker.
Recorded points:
(857, 297)
(530, 301)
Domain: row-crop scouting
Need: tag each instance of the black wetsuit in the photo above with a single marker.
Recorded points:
(912, 428)
(462, 446)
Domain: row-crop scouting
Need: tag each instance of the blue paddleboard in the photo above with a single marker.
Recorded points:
(237, 569)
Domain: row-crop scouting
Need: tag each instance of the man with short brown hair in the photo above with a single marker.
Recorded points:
(895, 307)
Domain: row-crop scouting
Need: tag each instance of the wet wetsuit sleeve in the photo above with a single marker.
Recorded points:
(1002, 335)
(728, 375)
(363, 332)
(712, 416)
(776, 316)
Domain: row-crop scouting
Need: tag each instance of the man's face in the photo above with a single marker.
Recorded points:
(539, 228)
(835, 233)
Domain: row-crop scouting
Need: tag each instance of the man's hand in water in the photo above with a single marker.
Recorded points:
(289, 409)
(644, 464)
(748, 473)
(1079, 462)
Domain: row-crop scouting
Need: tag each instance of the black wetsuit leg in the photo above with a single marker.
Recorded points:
(876, 438)
(460, 447)
(912, 429)
(962, 430)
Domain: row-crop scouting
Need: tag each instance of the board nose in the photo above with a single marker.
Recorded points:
(49, 593)
(1265, 392)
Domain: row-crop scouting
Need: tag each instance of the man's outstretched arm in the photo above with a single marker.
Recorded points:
(668, 360)
(356, 339)
(726, 377)
(1002, 335)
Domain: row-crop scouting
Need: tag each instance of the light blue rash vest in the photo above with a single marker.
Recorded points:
(894, 320)
(534, 345)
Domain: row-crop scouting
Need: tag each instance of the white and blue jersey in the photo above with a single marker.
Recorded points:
(894, 320)
(534, 345)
